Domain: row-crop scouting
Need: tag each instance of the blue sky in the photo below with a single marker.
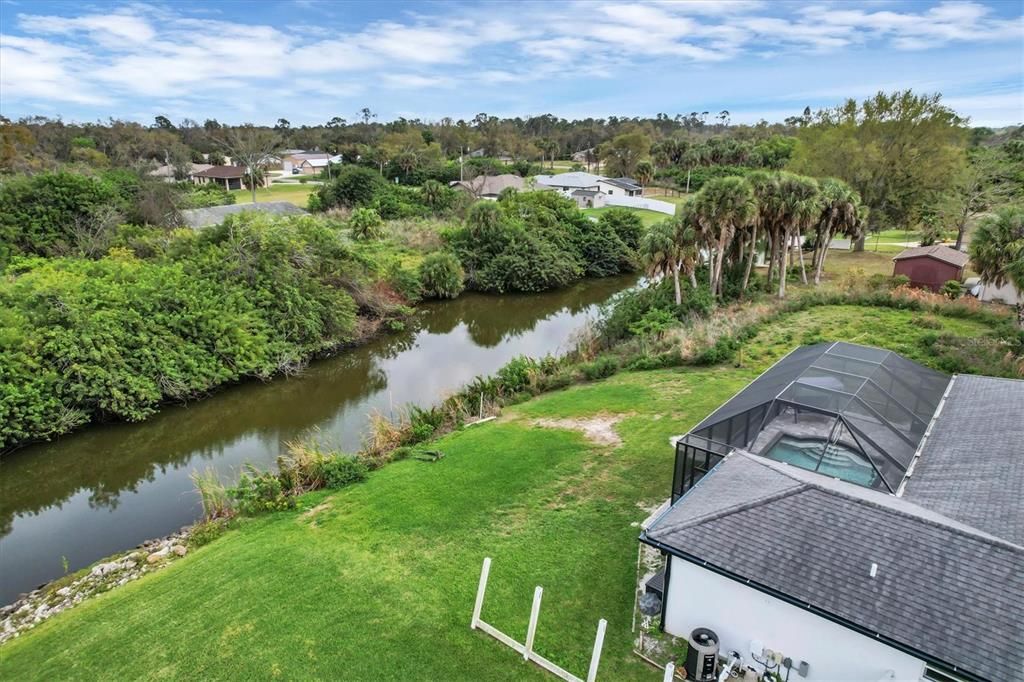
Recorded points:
(310, 60)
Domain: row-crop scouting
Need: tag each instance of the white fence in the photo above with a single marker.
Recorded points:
(527, 649)
(641, 202)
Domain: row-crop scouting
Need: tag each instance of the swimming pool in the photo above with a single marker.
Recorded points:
(839, 461)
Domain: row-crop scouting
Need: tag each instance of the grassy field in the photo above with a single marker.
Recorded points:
(648, 217)
(295, 193)
(376, 582)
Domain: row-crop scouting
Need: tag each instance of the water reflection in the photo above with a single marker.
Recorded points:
(109, 487)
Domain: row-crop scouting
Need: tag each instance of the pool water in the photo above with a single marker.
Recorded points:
(839, 462)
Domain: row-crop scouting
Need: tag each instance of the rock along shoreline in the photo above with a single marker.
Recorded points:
(43, 603)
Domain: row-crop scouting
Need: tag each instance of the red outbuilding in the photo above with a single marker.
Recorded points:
(929, 267)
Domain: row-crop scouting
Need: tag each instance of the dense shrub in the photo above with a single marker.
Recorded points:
(365, 224)
(952, 289)
(260, 491)
(355, 186)
(47, 214)
(625, 223)
(203, 196)
(624, 315)
(534, 241)
(113, 337)
(441, 275)
(602, 367)
(205, 532)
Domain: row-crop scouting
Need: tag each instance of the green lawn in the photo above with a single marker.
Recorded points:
(377, 581)
(296, 193)
(648, 217)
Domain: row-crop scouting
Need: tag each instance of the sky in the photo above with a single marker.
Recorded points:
(310, 60)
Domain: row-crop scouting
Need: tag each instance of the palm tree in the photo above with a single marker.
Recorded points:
(723, 207)
(660, 253)
(800, 205)
(644, 173)
(997, 251)
(839, 215)
(432, 192)
(407, 161)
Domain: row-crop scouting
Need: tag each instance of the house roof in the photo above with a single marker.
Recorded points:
(309, 156)
(586, 192)
(971, 465)
(939, 584)
(490, 184)
(577, 179)
(167, 171)
(215, 215)
(624, 183)
(320, 162)
(938, 252)
(222, 172)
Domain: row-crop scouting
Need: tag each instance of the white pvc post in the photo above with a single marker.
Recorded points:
(598, 644)
(670, 672)
(532, 629)
(478, 607)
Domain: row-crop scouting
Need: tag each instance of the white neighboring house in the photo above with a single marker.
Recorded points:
(988, 292)
(594, 191)
(861, 532)
(316, 165)
(568, 182)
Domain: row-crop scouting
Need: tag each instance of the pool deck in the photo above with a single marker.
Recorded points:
(809, 426)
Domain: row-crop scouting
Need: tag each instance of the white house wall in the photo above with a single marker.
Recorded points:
(739, 614)
(618, 199)
(1007, 294)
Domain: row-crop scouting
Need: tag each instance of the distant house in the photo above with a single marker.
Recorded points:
(929, 267)
(229, 177)
(215, 215)
(569, 182)
(295, 163)
(583, 155)
(316, 165)
(489, 186)
(853, 513)
(988, 292)
(166, 172)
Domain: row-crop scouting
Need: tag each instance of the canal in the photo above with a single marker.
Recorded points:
(107, 488)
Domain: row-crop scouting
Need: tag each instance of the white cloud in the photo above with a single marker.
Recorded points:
(172, 55)
(34, 68)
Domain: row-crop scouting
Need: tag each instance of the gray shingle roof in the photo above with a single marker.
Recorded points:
(971, 466)
(624, 183)
(215, 215)
(940, 584)
(938, 252)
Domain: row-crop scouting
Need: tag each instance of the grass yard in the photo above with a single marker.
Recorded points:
(296, 193)
(648, 217)
(677, 199)
(377, 581)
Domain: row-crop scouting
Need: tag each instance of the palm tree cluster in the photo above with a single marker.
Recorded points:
(731, 219)
(997, 251)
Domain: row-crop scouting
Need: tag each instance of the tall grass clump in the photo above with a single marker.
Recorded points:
(213, 494)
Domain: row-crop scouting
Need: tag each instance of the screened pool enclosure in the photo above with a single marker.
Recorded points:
(851, 412)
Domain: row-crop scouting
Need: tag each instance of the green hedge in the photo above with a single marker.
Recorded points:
(114, 337)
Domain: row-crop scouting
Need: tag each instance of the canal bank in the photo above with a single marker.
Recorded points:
(68, 503)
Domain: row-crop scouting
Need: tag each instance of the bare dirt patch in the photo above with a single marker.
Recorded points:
(599, 429)
(311, 513)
